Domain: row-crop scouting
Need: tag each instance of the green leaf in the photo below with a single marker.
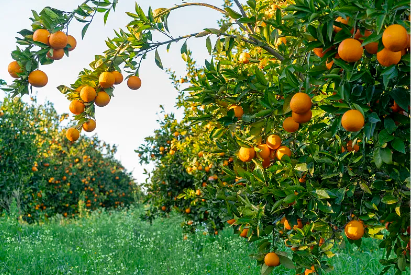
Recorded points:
(158, 60)
(232, 13)
(389, 125)
(384, 137)
(291, 79)
(84, 30)
(398, 144)
(386, 155)
(286, 106)
(286, 262)
(389, 199)
(266, 270)
(208, 44)
(377, 157)
(365, 187)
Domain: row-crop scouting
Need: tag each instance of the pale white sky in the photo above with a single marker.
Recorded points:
(131, 115)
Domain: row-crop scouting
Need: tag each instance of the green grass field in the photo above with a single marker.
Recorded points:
(119, 243)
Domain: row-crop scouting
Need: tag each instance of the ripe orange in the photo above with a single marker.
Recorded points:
(244, 58)
(329, 65)
(396, 108)
(354, 230)
(287, 226)
(57, 54)
(271, 259)
(188, 210)
(290, 125)
(267, 162)
(372, 48)
(230, 222)
(134, 82)
(395, 38)
(72, 134)
(14, 68)
(88, 94)
(309, 271)
(300, 103)
(320, 53)
(76, 107)
(302, 118)
(198, 192)
(273, 141)
(350, 148)
(387, 58)
(359, 36)
(72, 42)
(163, 208)
(89, 126)
(238, 110)
(246, 154)
(350, 50)
(341, 20)
(244, 233)
(41, 35)
(200, 154)
(106, 80)
(118, 77)
(102, 99)
(265, 151)
(283, 150)
(58, 40)
(38, 78)
(34, 169)
(352, 120)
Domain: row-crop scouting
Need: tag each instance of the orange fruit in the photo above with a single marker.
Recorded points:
(266, 162)
(300, 103)
(88, 94)
(273, 141)
(244, 233)
(163, 208)
(57, 54)
(76, 107)
(38, 78)
(118, 77)
(396, 108)
(188, 210)
(329, 65)
(302, 118)
(13, 69)
(244, 58)
(58, 40)
(238, 110)
(230, 222)
(102, 99)
(89, 126)
(281, 40)
(200, 154)
(34, 169)
(309, 271)
(265, 151)
(198, 192)
(290, 125)
(387, 58)
(359, 36)
(72, 134)
(350, 50)
(271, 259)
(354, 230)
(320, 52)
(341, 20)
(246, 154)
(372, 48)
(352, 120)
(72, 42)
(395, 38)
(41, 35)
(106, 80)
(350, 148)
(281, 151)
(134, 82)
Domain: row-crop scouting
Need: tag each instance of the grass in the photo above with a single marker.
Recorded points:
(119, 243)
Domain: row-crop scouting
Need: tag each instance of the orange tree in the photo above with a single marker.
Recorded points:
(319, 126)
(46, 174)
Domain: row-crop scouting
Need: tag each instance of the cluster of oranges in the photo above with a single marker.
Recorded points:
(98, 96)
(300, 105)
(58, 42)
(395, 39)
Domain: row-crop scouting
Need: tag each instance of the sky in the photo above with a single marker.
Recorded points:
(131, 115)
